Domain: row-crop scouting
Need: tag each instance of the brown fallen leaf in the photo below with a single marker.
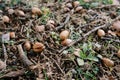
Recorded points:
(13, 74)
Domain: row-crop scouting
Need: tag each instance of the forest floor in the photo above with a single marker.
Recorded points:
(59, 40)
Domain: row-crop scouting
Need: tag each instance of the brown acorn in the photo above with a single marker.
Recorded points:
(101, 33)
(36, 10)
(116, 25)
(19, 13)
(66, 9)
(27, 45)
(66, 42)
(38, 47)
(12, 34)
(118, 53)
(76, 3)
(64, 35)
(107, 62)
(6, 19)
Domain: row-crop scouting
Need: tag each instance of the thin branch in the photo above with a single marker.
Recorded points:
(23, 57)
(87, 34)
(63, 24)
(5, 52)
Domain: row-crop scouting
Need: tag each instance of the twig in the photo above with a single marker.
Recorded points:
(105, 38)
(23, 57)
(88, 33)
(63, 24)
(13, 74)
(105, 6)
(58, 66)
(5, 52)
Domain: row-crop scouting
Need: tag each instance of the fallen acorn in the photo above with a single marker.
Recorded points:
(66, 42)
(101, 33)
(40, 28)
(36, 11)
(118, 53)
(12, 34)
(38, 47)
(64, 35)
(19, 13)
(107, 62)
(5, 19)
(76, 3)
(116, 25)
(27, 45)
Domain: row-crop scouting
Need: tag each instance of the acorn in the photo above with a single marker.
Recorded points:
(118, 33)
(11, 11)
(66, 42)
(38, 47)
(69, 5)
(76, 3)
(118, 53)
(36, 10)
(19, 13)
(40, 28)
(6, 19)
(116, 25)
(101, 33)
(64, 35)
(78, 8)
(107, 62)
(27, 45)
(12, 34)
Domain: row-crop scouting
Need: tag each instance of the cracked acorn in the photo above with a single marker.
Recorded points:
(38, 47)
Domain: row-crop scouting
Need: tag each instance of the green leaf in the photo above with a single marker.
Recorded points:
(82, 55)
(92, 58)
(80, 62)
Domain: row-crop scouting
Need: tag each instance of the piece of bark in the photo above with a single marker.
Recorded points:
(23, 57)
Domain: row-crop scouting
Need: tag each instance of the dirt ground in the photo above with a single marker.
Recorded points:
(59, 40)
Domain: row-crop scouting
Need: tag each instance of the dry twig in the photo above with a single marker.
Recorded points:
(87, 34)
